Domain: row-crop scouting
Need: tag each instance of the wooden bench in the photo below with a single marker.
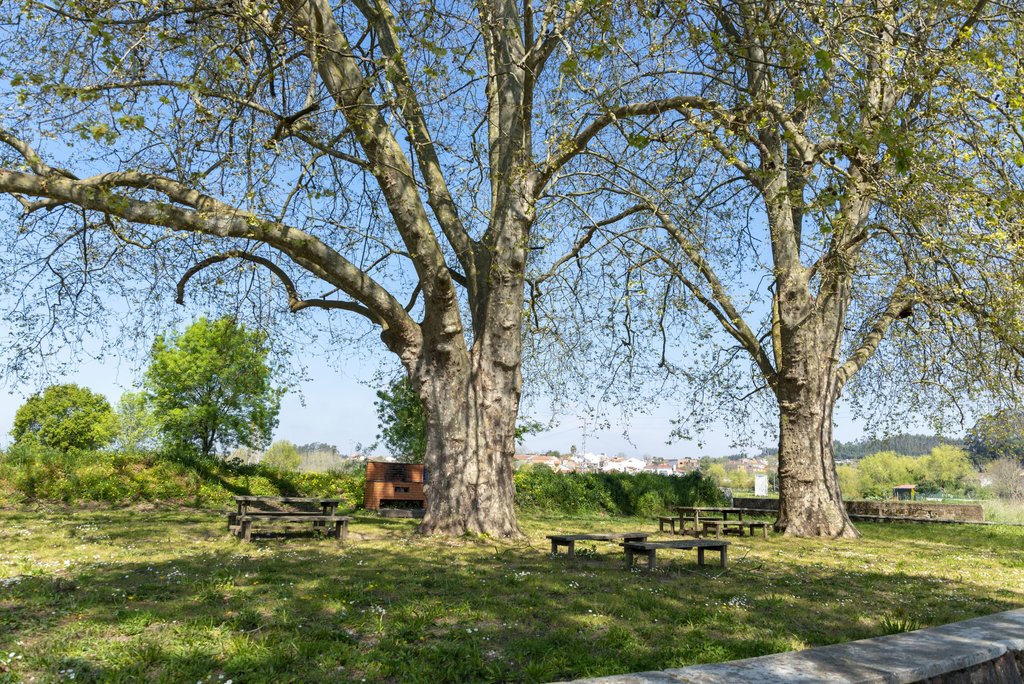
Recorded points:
(569, 540)
(322, 513)
(734, 525)
(688, 524)
(670, 519)
(650, 549)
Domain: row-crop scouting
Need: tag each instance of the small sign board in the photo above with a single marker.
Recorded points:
(760, 484)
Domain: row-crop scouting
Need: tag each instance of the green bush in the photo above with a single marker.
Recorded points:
(538, 488)
(32, 472)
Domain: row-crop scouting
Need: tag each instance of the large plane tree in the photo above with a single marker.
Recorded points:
(838, 188)
(391, 157)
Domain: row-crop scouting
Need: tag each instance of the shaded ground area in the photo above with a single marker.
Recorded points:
(169, 595)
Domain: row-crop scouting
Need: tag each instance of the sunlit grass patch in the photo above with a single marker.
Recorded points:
(169, 595)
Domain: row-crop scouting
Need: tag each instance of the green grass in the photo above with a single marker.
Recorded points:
(169, 595)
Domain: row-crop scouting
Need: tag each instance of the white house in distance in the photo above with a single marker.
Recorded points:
(623, 465)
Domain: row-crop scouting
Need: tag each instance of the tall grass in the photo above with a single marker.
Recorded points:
(1001, 510)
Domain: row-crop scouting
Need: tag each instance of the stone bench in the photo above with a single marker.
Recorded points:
(734, 525)
(650, 549)
(569, 540)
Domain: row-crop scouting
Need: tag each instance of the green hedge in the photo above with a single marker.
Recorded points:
(29, 472)
(538, 488)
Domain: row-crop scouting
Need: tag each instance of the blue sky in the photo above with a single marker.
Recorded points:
(335, 406)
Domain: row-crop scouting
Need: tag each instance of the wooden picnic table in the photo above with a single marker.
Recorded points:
(569, 540)
(287, 509)
(694, 513)
(327, 506)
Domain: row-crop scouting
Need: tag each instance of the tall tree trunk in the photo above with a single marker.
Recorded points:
(470, 409)
(471, 400)
(810, 503)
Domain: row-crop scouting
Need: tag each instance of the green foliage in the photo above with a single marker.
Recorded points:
(1000, 435)
(849, 482)
(402, 426)
(907, 444)
(137, 428)
(946, 469)
(282, 455)
(32, 472)
(210, 387)
(538, 488)
(38, 473)
(65, 417)
(725, 476)
(880, 472)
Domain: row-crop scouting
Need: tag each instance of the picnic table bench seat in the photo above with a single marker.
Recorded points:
(569, 540)
(690, 524)
(650, 549)
(321, 512)
(720, 526)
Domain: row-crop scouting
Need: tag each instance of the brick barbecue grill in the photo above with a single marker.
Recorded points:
(393, 483)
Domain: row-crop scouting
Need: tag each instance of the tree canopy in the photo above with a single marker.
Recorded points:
(835, 197)
(400, 420)
(211, 388)
(813, 180)
(66, 417)
(996, 436)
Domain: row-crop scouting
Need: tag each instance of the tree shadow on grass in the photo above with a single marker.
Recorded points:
(390, 606)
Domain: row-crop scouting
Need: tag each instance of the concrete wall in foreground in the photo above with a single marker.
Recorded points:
(888, 509)
(982, 650)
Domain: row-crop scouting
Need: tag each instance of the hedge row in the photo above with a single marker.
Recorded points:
(35, 473)
(538, 488)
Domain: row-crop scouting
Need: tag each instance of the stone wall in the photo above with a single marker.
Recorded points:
(888, 509)
(986, 649)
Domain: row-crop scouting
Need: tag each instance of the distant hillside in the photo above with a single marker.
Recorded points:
(908, 445)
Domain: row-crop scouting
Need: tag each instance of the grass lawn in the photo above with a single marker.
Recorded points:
(169, 595)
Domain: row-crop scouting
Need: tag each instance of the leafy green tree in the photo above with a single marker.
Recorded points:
(66, 417)
(999, 435)
(400, 417)
(403, 426)
(282, 455)
(879, 473)
(948, 469)
(136, 425)
(849, 481)
(210, 387)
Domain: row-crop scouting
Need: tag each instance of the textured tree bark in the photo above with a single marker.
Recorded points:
(471, 396)
(810, 502)
(470, 412)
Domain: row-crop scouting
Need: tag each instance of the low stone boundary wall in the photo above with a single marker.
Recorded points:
(986, 649)
(889, 509)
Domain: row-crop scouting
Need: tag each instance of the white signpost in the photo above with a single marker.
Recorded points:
(760, 484)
